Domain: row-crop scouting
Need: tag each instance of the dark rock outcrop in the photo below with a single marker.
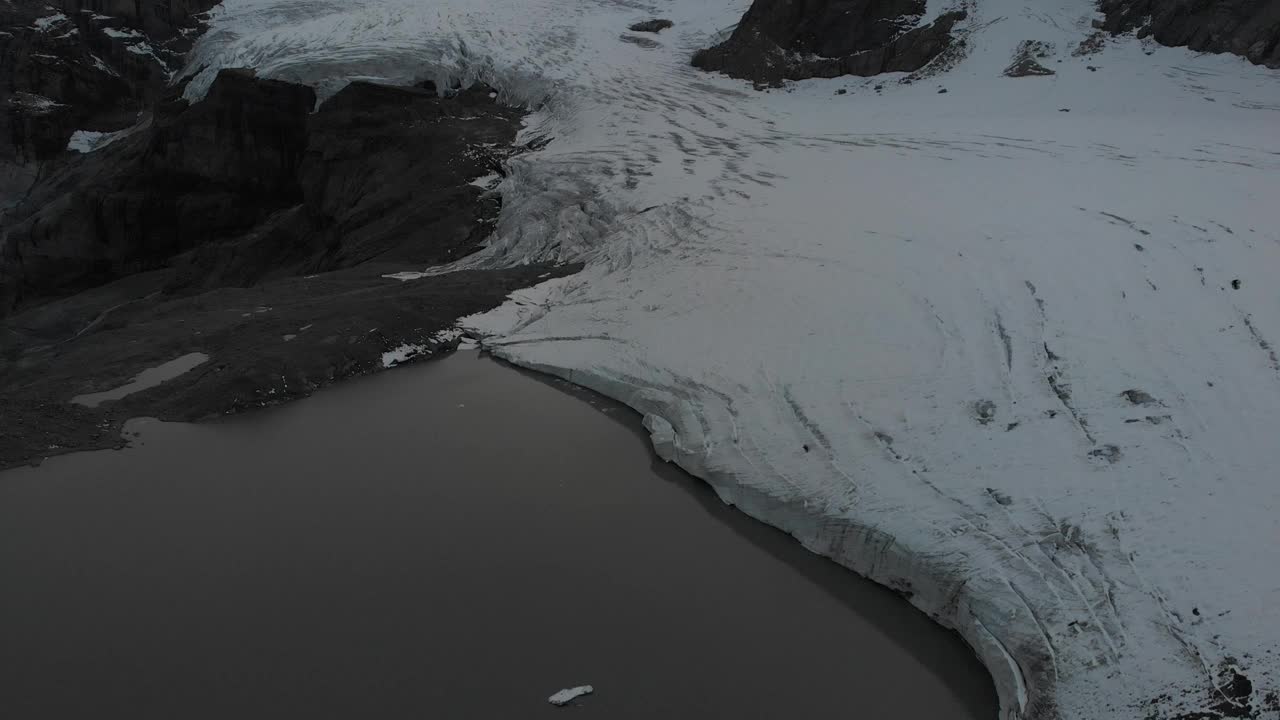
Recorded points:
(267, 344)
(432, 147)
(249, 184)
(159, 19)
(253, 230)
(796, 39)
(1026, 59)
(199, 173)
(1245, 27)
(248, 134)
(81, 65)
(655, 25)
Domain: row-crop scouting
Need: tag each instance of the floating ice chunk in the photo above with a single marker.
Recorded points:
(568, 695)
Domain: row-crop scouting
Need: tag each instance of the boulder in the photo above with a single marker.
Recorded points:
(655, 25)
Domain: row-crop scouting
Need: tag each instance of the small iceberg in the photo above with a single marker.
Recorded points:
(568, 695)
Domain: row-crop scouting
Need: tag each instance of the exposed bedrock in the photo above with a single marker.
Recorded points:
(255, 229)
(248, 184)
(796, 39)
(1245, 27)
(780, 40)
(76, 65)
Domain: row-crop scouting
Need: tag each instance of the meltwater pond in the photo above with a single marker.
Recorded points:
(453, 540)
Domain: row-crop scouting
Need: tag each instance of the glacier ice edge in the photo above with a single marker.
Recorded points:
(1021, 665)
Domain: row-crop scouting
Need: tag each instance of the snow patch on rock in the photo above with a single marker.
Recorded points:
(87, 141)
(33, 103)
(49, 22)
(413, 351)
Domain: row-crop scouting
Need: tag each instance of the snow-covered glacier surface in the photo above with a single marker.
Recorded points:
(1009, 349)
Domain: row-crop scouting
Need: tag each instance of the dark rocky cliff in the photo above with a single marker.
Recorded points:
(248, 183)
(797, 39)
(80, 65)
(249, 228)
(1245, 27)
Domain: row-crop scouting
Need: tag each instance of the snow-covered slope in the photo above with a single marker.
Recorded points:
(1008, 349)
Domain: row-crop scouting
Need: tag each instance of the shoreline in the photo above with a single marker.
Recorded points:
(276, 262)
(309, 334)
(676, 622)
(862, 548)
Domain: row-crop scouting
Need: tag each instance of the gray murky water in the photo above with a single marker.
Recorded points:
(451, 540)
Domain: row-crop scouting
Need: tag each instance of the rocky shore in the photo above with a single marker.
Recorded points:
(252, 227)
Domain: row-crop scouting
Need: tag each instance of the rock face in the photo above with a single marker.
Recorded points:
(251, 229)
(248, 184)
(160, 19)
(1245, 27)
(199, 173)
(1026, 60)
(79, 65)
(796, 39)
(247, 133)
(400, 187)
(655, 25)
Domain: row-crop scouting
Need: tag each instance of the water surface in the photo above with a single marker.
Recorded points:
(449, 540)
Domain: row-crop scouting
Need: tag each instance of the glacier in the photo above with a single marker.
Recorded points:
(1008, 350)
